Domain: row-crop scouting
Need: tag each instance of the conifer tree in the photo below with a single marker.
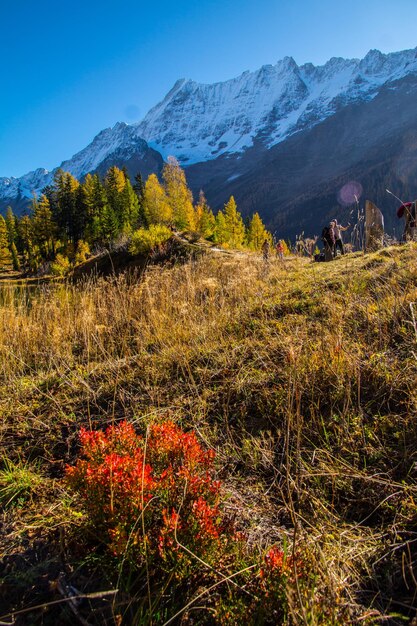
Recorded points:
(15, 257)
(130, 208)
(50, 192)
(25, 235)
(80, 219)
(235, 227)
(109, 225)
(257, 233)
(220, 231)
(205, 220)
(98, 209)
(88, 200)
(179, 196)
(156, 207)
(43, 227)
(114, 183)
(139, 189)
(11, 226)
(6, 261)
(67, 204)
(82, 252)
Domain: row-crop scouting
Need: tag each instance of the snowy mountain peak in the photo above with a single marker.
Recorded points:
(198, 122)
(122, 140)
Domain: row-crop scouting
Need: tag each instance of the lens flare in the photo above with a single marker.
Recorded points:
(350, 193)
(132, 112)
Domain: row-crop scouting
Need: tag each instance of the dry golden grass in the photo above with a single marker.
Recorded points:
(302, 376)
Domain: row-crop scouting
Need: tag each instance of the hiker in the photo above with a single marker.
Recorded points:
(328, 239)
(408, 211)
(280, 250)
(265, 250)
(338, 243)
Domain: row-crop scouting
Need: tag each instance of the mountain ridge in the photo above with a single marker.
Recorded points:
(232, 126)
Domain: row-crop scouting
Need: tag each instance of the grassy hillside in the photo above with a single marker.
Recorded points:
(302, 378)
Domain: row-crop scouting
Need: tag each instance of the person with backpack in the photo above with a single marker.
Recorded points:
(328, 239)
(280, 250)
(338, 242)
(266, 247)
(408, 210)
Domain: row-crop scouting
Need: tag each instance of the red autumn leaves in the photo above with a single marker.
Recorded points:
(148, 494)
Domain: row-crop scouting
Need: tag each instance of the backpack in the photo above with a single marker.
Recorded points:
(325, 233)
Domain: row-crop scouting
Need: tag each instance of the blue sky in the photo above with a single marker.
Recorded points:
(71, 69)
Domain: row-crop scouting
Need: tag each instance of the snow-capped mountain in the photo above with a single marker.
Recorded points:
(198, 122)
(267, 135)
(110, 147)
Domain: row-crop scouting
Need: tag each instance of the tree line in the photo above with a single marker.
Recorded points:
(72, 218)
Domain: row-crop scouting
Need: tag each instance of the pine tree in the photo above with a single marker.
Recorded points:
(114, 183)
(130, 208)
(156, 207)
(205, 220)
(179, 196)
(257, 233)
(89, 202)
(220, 231)
(139, 189)
(82, 252)
(11, 226)
(235, 227)
(50, 192)
(101, 212)
(80, 219)
(109, 225)
(15, 257)
(6, 260)
(43, 227)
(25, 235)
(67, 204)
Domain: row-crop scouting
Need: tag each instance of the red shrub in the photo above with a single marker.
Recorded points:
(148, 494)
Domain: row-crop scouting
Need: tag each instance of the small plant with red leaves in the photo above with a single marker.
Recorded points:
(279, 565)
(149, 496)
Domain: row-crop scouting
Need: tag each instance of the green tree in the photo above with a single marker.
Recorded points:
(130, 208)
(114, 183)
(102, 220)
(139, 189)
(67, 204)
(109, 225)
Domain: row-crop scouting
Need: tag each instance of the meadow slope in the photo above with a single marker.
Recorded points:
(301, 376)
